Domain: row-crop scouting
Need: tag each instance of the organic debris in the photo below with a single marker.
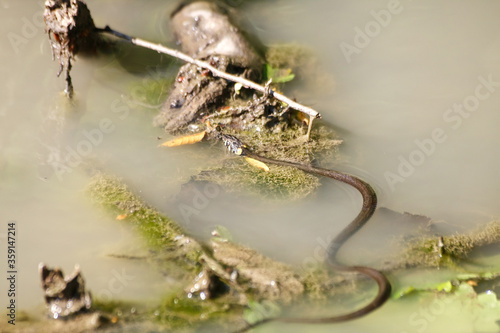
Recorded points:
(279, 182)
(71, 31)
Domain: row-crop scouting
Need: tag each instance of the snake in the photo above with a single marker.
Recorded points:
(368, 207)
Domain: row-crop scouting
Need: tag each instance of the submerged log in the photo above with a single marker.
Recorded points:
(205, 31)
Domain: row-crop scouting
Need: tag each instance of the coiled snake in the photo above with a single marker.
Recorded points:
(235, 146)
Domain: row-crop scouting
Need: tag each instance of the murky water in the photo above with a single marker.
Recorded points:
(415, 96)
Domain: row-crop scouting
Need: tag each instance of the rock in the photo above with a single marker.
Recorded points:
(64, 296)
(204, 29)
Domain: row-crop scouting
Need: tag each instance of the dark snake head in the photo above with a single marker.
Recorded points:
(233, 144)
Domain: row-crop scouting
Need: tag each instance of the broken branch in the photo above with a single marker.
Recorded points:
(246, 83)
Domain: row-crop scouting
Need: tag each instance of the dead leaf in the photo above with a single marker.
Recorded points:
(257, 164)
(184, 140)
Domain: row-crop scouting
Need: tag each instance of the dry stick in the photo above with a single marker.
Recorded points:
(246, 83)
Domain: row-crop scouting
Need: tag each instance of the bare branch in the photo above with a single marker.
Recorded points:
(246, 83)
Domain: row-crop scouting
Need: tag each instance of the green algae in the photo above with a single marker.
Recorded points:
(278, 75)
(151, 92)
(174, 251)
(304, 63)
(111, 193)
(181, 313)
(259, 311)
(280, 182)
(431, 252)
(292, 56)
(448, 286)
(321, 284)
(291, 144)
(185, 258)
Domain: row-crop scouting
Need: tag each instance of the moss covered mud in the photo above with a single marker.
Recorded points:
(244, 278)
(111, 193)
(235, 276)
(285, 183)
(446, 251)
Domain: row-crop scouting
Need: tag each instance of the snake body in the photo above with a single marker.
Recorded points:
(368, 208)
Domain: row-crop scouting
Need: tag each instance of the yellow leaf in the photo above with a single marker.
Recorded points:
(257, 164)
(184, 140)
(121, 217)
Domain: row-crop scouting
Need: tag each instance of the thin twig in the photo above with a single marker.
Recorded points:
(246, 83)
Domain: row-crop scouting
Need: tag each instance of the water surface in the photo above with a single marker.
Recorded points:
(392, 95)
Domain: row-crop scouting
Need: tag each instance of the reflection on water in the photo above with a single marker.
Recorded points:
(415, 99)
